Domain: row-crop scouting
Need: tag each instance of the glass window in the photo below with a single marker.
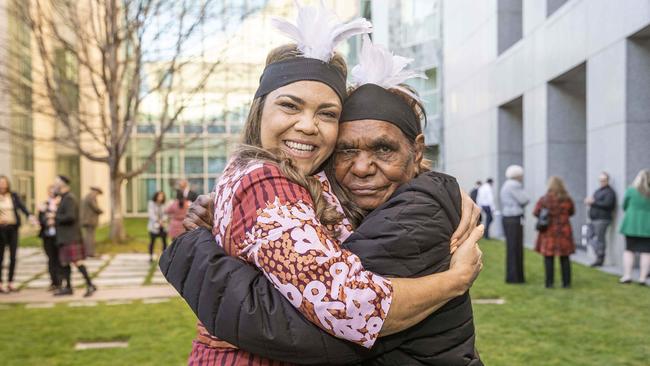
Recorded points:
(193, 129)
(216, 129)
(146, 189)
(193, 165)
(216, 165)
(146, 128)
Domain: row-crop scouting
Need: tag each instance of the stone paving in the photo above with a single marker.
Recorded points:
(120, 279)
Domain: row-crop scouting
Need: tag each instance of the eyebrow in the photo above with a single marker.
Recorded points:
(384, 141)
(347, 145)
(302, 101)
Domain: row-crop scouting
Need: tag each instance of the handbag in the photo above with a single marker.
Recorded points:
(542, 219)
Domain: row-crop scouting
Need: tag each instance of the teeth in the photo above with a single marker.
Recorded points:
(299, 146)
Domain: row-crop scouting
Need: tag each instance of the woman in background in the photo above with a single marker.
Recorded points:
(636, 227)
(10, 206)
(176, 212)
(157, 221)
(557, 239)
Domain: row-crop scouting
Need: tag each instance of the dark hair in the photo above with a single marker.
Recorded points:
(478, 182)
(489, 180)
(181, 198)
(155, 196)
(8, 182)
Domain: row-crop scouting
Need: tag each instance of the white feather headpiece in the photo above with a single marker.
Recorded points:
(318, 31)
(377, 65)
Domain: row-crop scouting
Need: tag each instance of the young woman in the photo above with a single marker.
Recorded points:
(176, 212)
(557, 239)
(157, 221)
(10, 207)
(272, 213)
(636, 227)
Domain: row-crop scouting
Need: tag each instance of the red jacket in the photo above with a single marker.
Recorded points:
(558, 238)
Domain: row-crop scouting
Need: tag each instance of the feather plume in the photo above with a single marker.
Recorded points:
(318, 31)
(377, 65)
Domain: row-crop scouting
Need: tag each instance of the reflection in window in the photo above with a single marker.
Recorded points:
(146, 129)
(193, 129)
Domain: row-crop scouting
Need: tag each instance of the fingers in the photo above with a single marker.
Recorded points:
(466, 215)
(475, 235)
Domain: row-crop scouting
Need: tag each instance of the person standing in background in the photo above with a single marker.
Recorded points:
(46, 215)
(188, 194)
(10, 206)
(513, 201)
(557, 238)
(601, 206)
(636, 227)
(485, 200)
(68, 237)
(176, 211)
(157, 222)
(474, 192)
(90, 212)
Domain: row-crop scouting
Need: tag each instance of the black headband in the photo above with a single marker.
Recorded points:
(279, 74)
(371, 101)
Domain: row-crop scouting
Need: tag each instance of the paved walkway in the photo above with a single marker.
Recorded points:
(118, 277)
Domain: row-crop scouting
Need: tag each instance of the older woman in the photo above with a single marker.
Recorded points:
(513, 201)
(408, 235)
(636, 227)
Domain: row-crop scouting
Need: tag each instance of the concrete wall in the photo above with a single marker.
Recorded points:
(603, 38)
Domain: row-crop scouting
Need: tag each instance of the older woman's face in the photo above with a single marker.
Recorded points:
(372, 159)
(302, 120)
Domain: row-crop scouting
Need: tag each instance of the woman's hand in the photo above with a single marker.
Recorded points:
(470, 214)
(200, 213)
(467, 260)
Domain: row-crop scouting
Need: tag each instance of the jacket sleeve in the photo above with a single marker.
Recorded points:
(20, 205)
(538, 207)
(95, 207)
(520, 195)
(237, 303)
(67, 215)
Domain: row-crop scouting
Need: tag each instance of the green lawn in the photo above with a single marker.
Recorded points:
(136, 229)
(597, 322)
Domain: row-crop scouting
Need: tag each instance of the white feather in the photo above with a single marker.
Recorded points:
(379, 66)
(318, 31)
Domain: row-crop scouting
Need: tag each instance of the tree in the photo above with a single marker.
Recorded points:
(93, 70)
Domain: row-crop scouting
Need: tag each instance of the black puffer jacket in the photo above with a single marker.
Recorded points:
(408, 236)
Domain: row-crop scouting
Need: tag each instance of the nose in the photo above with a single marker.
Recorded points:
(363, 165)
(306, 124)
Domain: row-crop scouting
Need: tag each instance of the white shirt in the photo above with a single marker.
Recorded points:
(485, 197)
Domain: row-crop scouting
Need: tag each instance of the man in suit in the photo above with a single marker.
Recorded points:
(188, 194)
(68, 237)
(90, 212)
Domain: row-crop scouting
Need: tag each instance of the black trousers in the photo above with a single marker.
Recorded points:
(53, 266)
(152, 240)
(549, 270)
(514, 233)
(488, 220)
(8, 238)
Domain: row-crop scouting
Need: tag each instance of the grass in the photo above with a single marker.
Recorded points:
(137, 242)
(597, 322)
(158, 334)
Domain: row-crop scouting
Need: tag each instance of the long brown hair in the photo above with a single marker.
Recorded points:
(556, 187)
(252, 150)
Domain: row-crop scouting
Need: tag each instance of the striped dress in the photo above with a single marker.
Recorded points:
(269, 221)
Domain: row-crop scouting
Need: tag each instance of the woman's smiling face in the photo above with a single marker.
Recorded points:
(302, 120)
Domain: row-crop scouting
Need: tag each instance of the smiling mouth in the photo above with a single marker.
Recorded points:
(299, 148)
